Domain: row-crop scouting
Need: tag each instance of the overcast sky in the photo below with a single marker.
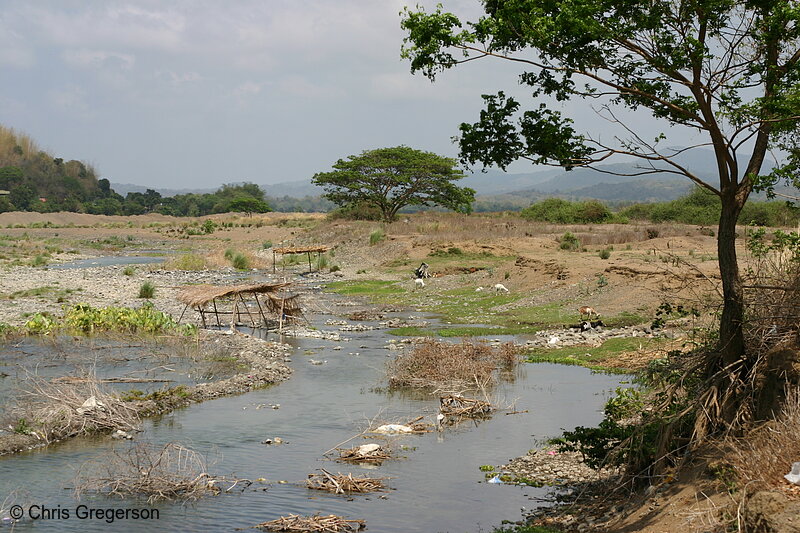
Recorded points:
(185, 94)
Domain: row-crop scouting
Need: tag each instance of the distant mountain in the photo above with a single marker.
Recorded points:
(124, 188)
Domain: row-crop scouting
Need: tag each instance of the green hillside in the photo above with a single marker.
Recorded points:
(37, 181)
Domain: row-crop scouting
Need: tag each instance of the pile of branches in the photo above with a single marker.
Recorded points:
(455, 408)
(315, 524)
(365, 453)
(451, 366)
(56, 409)
(344, 484)
(172, 472)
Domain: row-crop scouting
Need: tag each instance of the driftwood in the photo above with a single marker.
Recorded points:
(315, 524)
(344, 484)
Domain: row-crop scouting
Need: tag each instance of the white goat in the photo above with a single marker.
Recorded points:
(499, 287)
(419, 283)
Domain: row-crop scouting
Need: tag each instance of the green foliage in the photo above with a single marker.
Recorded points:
(558, 211)
(128, 271)
(22, 427)
(240, 261)
(147, 290)
(248, 205)
(605, 253)
(569, 242)
(229, 253)
(266, 245)
(357, 211)
(209, 226)
(335, 268)
(392, 178)
(702, 207)
(452, 251)
(486, 468)
(83, 318)
(376, 236)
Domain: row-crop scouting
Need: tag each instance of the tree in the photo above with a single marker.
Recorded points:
(392, 178)
(724, 69)
(248, 205)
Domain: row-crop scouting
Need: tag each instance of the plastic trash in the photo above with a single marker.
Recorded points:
(90, 404)
(393, 428)
(495, 479)
(553, 340)
(794, 475)
(368, 449)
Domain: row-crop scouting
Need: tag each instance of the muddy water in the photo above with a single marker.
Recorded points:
(437, 486)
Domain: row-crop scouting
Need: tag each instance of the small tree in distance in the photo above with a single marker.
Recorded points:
(393, 178)
(248, 205)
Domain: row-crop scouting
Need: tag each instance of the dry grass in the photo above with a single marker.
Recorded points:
(312, 524)
(766, 454)
(362, 454)
(55, 410)
(344, 484)
(451, 366)
(172, 472)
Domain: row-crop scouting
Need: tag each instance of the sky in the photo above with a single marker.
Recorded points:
(193, 94)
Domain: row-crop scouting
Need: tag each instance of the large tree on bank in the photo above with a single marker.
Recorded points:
(392, 178)
(724, 69)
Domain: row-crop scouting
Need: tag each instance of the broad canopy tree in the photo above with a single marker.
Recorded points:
(393, 178)
(726, 71)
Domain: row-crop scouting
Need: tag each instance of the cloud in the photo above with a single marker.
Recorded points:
(71, 100)
(98, 59)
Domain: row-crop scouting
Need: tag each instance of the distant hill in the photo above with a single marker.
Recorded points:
(38, 181)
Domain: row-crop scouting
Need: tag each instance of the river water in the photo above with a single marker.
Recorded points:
(436, 485)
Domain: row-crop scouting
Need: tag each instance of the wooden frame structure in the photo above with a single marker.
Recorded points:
(298, 250)
(203, 299)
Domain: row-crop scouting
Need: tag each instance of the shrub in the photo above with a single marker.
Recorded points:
(605, 253)
(335, 268)
(569, 242)
(558, 211)
(240, 261)
(322, 262)
(128, 271)
(209, 226)
(39, 260)
(266, 245)
(376, 236)
(229, 254)
(147, 290)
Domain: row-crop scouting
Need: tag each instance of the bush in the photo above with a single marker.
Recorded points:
(569, 242)
(229, 254)
(128, 271)
(39, 260)
(358, 211)
(335, 268)
(266, 245)
(209, 226)
(605, 253)
(558, 211)
(240, 261)
(376, 236)
(147, 290)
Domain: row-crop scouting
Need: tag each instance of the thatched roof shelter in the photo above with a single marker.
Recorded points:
(284, 308)
(308, 250)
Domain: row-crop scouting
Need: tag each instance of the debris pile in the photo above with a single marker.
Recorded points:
(315, 524)
(344, 484)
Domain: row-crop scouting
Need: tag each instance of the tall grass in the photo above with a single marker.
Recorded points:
(376, 236)
(147, 290)
(240, 261)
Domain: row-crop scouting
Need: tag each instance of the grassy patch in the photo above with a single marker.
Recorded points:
(592, 357)
(188, 261)
(373, 288)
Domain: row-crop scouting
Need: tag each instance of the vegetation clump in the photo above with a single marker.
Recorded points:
(83, 318)
(558, 211)
(570, 242)
(147, 290)
(443, 364)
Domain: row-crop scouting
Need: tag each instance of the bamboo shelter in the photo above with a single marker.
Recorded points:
(308, 250)
(259, 303)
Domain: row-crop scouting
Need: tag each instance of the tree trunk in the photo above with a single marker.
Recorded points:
(731, 336)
